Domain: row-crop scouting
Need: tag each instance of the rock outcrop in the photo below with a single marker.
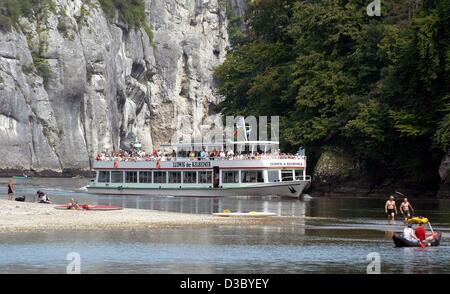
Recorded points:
(444, 172)
(73, 83)
(337, 174)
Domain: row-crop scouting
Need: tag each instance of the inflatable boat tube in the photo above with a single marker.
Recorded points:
(399, 241)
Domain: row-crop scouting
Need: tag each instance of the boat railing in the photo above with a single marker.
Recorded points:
(164, 158)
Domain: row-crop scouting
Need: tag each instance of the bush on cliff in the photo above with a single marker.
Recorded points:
(132, 12)
(12, 10)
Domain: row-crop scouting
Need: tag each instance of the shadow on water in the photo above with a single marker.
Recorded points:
(323, 235)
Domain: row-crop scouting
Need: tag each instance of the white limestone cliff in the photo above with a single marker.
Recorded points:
(107, 84)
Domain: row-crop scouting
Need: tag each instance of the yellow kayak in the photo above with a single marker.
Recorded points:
(418, 220)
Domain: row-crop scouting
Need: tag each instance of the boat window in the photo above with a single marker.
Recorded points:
(116, 177)
(103, 177)
(145, 177)
(287, 175)
(252, 176)
(189, 177)
(229, 177)
(204, 177)
(159, 177)
(273, 176)
(299, 174)
(131, 177)
(175, 177)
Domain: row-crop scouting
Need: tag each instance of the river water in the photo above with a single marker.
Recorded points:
(319, 235)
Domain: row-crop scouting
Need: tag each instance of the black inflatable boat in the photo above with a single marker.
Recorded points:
(402, 242)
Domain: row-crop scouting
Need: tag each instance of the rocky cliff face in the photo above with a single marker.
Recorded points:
(99, 84)
(444, 172)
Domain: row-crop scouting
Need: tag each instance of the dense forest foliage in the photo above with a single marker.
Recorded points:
(375, 88)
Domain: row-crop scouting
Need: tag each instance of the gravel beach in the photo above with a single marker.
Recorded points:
(34, 217)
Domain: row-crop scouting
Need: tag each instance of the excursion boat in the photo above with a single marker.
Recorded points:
(247, 173)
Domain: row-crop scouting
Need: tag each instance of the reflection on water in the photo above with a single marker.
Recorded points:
(61, 190)
(213, 250)
(388, 235)
(336, 237)
(208, 205)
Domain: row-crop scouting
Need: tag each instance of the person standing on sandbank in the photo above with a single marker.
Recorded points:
(10, 190)
(406, 209)
(391, 209)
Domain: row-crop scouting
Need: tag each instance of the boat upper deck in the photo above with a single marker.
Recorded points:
(186, 156)
(185, 163)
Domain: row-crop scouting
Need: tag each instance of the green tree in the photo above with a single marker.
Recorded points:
(374, 88)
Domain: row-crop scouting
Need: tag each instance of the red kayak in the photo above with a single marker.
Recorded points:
(91, 207)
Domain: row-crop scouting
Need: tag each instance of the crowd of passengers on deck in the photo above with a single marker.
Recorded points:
(140, 155)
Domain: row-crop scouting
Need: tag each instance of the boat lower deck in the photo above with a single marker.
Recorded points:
(285, 189)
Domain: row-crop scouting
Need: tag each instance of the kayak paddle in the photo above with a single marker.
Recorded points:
(400, 193)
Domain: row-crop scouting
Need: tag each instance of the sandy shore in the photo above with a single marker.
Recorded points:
(33, 217)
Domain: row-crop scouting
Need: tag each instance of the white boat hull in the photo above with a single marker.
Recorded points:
(284, 189)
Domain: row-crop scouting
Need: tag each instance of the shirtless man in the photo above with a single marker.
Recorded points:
(391, 209)
(406, 209)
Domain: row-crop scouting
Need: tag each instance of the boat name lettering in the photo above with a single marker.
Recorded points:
(285, 163)
(191, 164)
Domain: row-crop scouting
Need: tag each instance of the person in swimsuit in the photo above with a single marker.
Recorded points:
(406, 209)
(73, 205)
(43, 198)
(391, 209)
(10, 190)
